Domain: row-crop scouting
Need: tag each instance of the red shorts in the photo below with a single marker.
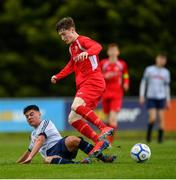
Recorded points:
(91, 93)
(111, 104)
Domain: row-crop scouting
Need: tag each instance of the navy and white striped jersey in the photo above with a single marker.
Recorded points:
(155, 83)
(48, 129)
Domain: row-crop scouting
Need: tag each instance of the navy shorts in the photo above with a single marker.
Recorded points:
(156, 103)
(59, 149)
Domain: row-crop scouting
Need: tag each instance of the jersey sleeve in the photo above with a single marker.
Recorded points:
(167, 81)
(143, 83)
(167, 86)
(51, 129)
(92, 47)
(68, 69)
(42, 129)
(47, 129)
(125, 74)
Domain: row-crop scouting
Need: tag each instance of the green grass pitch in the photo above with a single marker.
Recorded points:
(161, 165)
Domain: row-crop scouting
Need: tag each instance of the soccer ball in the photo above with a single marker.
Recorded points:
(140, 152)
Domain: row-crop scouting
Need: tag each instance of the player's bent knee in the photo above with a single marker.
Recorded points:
(73, 117)
(72, 142)
(73, 139)
(74, 107)
(77, 102)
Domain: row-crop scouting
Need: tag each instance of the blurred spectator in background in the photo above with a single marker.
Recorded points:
(155, 83)
(116, 75)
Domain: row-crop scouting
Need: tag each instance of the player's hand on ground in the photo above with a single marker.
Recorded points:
(53, 79)
(82, 56)
(27, 161)
(141, 100)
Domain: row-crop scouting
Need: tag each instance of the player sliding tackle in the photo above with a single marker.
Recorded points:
(46, 139)
(90, 82)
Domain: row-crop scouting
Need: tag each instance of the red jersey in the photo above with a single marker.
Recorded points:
(119, 76)
(88, 68)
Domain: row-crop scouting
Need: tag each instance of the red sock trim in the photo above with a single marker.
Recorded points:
(85, 129)
(90, 116)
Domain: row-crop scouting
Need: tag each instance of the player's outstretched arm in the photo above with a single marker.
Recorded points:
(68, 69)
(23, 157)
(38, 144)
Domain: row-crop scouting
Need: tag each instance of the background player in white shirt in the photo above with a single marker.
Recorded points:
(46, 139)
(155, 84)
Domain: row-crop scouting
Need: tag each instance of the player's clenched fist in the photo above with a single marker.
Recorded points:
(53, 79)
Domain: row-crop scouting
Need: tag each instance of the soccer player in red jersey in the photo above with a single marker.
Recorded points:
(90, 84)
(117, 80)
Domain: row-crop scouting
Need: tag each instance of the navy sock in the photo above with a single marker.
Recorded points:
(60, 160)
(149, 132)
(160, 135)
(85, 146)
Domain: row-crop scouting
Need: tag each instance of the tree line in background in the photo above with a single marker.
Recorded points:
(31, 51)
